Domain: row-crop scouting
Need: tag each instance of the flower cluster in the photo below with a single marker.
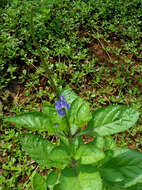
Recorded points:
(61, 105)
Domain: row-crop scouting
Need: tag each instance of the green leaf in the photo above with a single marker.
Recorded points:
(43, 152)
(114, 187)
(104, 188)
(39, 182)
(98, 142)
(119, 187)
(60, 156)
(80, 178)
(108, 156)
(125, 166)
(74, 129)
(109, 143)
(70, 96)
(79, 113)
(115, 175)
(53, 179)
(112, 119)
(37, 148)
(58, 122)
(88, 154)
(138, 186)
(34, 121)
(3, 188)
(77, 142)
(63, 140)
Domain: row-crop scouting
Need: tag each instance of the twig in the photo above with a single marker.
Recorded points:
(103, 46)
(31, 176)
(41, 54)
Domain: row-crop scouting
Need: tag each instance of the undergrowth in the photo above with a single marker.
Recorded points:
(94, 47)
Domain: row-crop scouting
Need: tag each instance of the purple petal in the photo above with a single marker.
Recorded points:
(68, 106)
(57, 105)
(63, 104)
(61, 112)
(60, 106)
(62, 98)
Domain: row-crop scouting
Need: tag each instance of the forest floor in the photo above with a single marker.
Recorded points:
(99, 59)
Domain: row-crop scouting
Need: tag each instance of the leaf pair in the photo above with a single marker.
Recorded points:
(49, 120)
(105, 121)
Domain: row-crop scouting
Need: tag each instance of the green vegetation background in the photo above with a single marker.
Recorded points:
(94, 47)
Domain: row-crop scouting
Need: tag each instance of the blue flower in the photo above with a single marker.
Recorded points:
(56, 124)
(61, 105)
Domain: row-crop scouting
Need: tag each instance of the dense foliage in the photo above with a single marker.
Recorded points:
(58, 25)
(94, 47)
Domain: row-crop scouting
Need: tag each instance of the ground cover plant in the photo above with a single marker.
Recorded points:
(92, 47)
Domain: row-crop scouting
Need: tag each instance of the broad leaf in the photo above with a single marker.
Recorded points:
(81, 178)
(77, 142)
(34, 121)
(64, 140)
(43, 152)
(74, 129)
(39, 182)
(109, 143)
(108, 157)
(79, 113)
(37, 148)
(69, 95)
(2, 188)
(60, 156)
(112, 119)
(98, 142)
(138, 186)
(119, 187)
(115, 175)
(53, 179)
(89, 154)
(125, 166)
(104, 188)
(114, 187)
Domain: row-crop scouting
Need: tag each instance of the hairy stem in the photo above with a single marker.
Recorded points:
(32, 31)
(49, 74)
(69, 130)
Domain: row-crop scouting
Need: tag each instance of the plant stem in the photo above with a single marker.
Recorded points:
(77, 132)
(47, 69)
(41, 54)
(69, 130)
